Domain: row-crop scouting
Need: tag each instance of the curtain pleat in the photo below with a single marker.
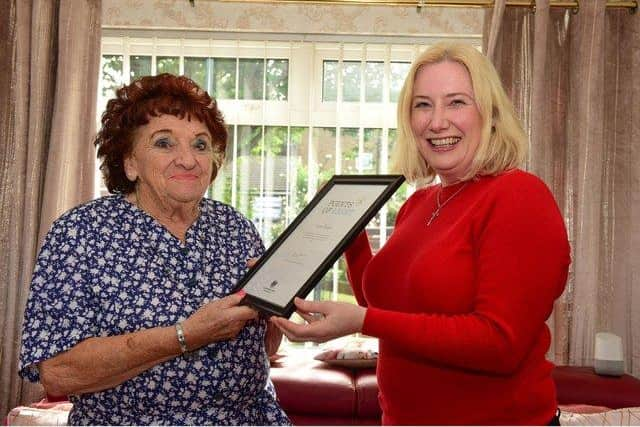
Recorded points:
(46, 126)
(572, 80)
(16, 218)
(489, 43)
(70, 164)
(586, 148)
(621, 278)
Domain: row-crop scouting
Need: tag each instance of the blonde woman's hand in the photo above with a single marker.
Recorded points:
(325, 320)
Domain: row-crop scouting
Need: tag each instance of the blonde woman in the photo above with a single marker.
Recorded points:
(459, 294)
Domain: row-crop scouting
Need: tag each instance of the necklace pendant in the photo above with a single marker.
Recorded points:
(433, 216)
(439, 205)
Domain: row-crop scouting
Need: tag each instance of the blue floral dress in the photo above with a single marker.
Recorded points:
(107, 268)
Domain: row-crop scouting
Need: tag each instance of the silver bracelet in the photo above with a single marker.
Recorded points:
(181, 340)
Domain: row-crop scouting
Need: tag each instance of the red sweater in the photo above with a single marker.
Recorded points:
(460, 305)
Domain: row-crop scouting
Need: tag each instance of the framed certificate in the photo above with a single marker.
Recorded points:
(316, 238)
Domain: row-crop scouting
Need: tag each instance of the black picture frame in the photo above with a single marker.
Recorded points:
(380, 189)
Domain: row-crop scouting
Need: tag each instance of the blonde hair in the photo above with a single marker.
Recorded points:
(503, 143)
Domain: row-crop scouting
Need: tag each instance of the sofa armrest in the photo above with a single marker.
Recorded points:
(310, 388)
(581, 385)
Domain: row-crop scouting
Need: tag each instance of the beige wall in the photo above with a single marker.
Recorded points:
(213, 15)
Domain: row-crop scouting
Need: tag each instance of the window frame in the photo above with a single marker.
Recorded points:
(304, 106)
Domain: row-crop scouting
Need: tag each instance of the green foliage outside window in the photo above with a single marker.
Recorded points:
(111, 74)
(351, 81)
(398, 72)
(197, 70)
(224, 78)
(139, 66)
(373, 76)
(330, 81)
(251, 78)
(168, 64)
(350, 150)
(277, 79)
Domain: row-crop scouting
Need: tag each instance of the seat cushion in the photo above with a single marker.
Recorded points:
(51, 415)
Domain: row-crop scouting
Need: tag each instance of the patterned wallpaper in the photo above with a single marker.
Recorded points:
(292, 18)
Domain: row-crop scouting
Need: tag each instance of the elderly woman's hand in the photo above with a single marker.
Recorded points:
(325, 320)
(217, 320)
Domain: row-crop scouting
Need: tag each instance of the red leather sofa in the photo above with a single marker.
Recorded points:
(314, 393)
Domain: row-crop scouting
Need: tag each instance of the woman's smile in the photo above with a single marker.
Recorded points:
(184, 177)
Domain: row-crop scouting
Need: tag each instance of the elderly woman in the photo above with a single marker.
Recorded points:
(459, 295)
(130, 312)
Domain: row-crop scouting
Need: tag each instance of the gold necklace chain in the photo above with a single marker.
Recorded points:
(439, 206)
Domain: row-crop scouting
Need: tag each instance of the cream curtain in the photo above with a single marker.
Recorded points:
(49, 55)
(574, 80)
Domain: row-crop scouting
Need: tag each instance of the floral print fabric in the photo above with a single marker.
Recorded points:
(107, 268)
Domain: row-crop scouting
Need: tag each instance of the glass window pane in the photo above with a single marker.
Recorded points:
(373, 76)
(277, 79)
(222, 184)
(393, 137)
(251, 79)
(324, 289)
(323, 150)
(111, 66)
(168, 64)
(370, 157)
(369, 164)
(248, 168)
(349, 149)
(270, 207)
(224, 78)
(373, 231)
(399, 197)
(321, 169)
(196, 70)
(345, 294)
(298, 170)
(351, 81)
(275, 140)
(139, 66)
(329, 81)
(394, 204)
(399, 71)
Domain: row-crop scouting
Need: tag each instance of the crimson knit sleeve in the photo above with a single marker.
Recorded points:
(358, 255)
(522, 253)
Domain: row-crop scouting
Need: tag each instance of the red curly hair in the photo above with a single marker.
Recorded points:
(135, 104)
